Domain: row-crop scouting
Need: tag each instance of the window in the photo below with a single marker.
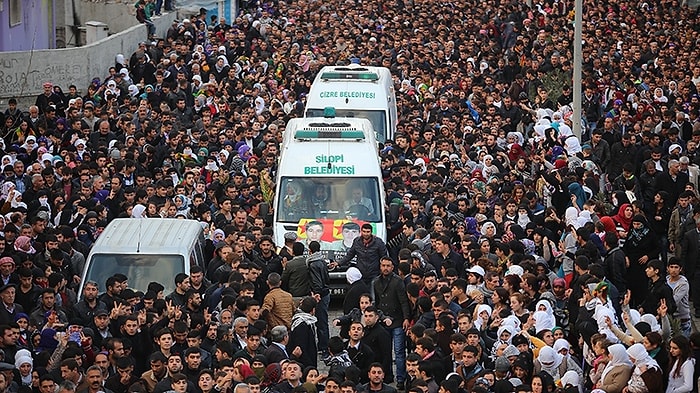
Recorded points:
(15, 12)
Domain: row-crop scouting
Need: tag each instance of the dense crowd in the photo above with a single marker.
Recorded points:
(525, 258)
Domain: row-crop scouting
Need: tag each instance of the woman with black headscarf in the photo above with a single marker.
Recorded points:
(640, 247)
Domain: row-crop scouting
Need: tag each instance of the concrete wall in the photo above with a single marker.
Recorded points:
(119, 15)
(35, 29)
(22, 73)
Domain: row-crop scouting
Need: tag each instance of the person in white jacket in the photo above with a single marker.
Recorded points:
(680, 379)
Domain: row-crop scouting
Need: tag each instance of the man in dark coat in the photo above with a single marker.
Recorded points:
(367, 249)
(360, 353)
(377, 338)
(9, 309)
(303, 334)
(673, 181)
(390, 297)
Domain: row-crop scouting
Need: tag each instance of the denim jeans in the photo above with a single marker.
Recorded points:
(685, 328)
(399, 342)
(322, 322)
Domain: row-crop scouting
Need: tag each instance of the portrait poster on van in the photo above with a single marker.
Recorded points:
(335, 235)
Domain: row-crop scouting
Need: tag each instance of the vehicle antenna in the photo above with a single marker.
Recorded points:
(138, 244)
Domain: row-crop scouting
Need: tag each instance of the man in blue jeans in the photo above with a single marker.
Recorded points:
(390, 297)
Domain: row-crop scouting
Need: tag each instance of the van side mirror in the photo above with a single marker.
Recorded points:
(394, 210)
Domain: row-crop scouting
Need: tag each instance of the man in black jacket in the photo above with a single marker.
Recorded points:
(303, 334)
(377, 338)
(319, 279)
(658, 290)
(615, 269)
(360, 353)
(390, 297)
(368, 249)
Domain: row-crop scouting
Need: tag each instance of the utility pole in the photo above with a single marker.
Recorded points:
(578, 60)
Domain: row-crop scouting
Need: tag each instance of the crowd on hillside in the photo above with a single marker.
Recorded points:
(525, 258)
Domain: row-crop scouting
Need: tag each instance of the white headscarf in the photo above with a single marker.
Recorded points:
(652, 321)
(570, 216)
(572, 146)
(641, 356)
(541, 127)
(13, 201)
(23, 356)
(6, 190)
(138, 211)
(550, 361)
(600, 314)
(487, 224)
(561, 344)
(353, 274)
(8, 157)
(421, 162)
(513, 322)
(218, 157)
(547, 305)
(618, 357)
(481, 308)
(570, 378)
(564, 130)
(26, 145)
(505, 328)
(543, 321)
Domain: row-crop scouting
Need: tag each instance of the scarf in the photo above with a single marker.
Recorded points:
(185, 203)
(636, 236)
(641, 357)
(686, 213)
(550, 361)
(618, 357)
(576, 189)
(621, 219)
(303, 317)
(6, 187)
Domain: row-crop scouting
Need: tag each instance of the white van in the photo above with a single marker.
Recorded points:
(356, 91)
(145, 250)
(329, 183)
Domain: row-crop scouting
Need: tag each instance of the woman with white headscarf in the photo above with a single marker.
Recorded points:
(139, 211)
(555, 364)
(7, 160)
(504, 335)
(483, 311)
(29, 144)
(221, 67)
(7, 190)
(543, 321)
(488, 229)
(562, 347)
(647, 376)
(572, 145)
(570, 382)
(489, 168)
(601, 315)
(24, 364)
(618, 370)
(550, 361)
